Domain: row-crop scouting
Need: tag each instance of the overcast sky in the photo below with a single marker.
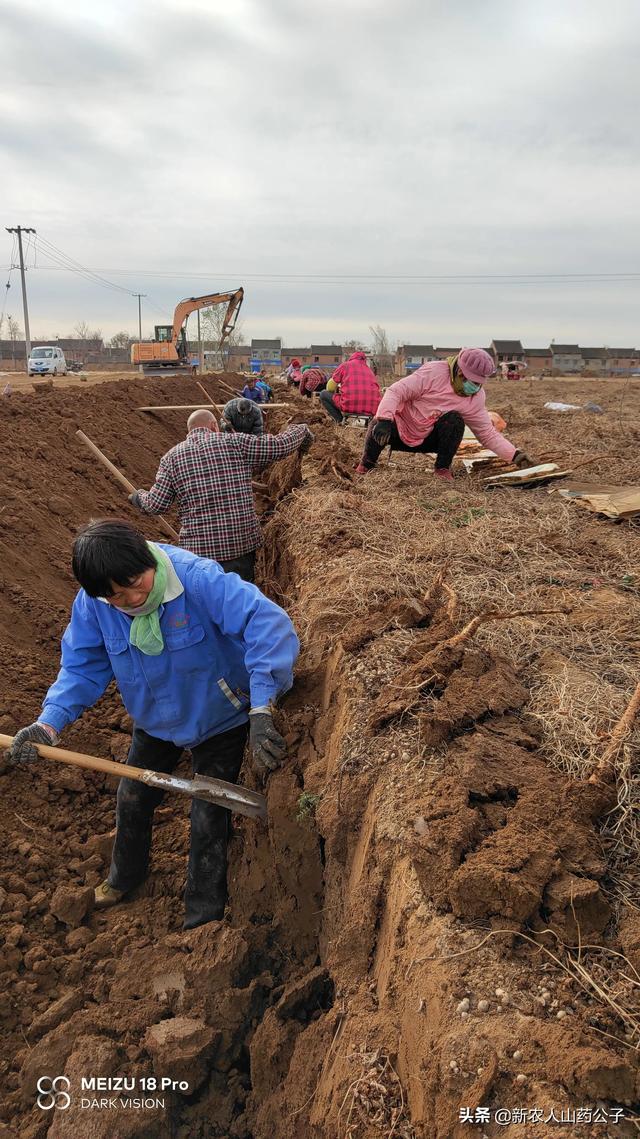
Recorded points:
(184, 146)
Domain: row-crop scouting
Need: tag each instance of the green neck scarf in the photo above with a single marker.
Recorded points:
(145, 631)
(456, 380)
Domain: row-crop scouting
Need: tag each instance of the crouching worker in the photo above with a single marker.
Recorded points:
(199, 656)
(242, 416)
(427, 412)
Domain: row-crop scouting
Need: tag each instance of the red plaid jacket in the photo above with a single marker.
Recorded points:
(311, 380)
(359, 391)
(210, 476)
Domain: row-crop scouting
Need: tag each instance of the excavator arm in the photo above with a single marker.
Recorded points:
(192, 304)
(169, 349)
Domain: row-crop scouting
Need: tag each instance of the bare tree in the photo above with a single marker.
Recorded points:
(121, 340)
(381, 349)
(84, 332)
(351, 346)
(211, 326)
(15, 333)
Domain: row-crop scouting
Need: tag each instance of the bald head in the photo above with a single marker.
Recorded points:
(202, 418)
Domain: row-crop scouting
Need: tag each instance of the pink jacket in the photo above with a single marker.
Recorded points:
(417, 401)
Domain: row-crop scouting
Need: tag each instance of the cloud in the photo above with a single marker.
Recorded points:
(343, 136)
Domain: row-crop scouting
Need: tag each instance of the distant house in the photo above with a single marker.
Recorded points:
(538, 359)
(503, 351)
(412, 356)
(265, 354)
(238, 357)
(622, 360)
(444, 353)
(566, 358)
(596, 360)
(327, 356)
(301, 354)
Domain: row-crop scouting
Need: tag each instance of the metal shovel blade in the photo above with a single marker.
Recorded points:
(216, 791)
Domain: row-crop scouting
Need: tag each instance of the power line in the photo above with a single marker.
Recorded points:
(331, 277)
(64, 261)
(344, 280)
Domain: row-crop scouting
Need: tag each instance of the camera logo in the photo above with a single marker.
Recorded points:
(50, 1094)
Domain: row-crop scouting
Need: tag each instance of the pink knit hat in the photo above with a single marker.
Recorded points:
(476, 364)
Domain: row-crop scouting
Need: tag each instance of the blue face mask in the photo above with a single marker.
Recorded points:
(469, 388)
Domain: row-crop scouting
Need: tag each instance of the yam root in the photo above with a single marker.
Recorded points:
(437, 665)
(606, 772)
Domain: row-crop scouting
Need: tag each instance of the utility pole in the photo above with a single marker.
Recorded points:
(19, 230)
(140, 296)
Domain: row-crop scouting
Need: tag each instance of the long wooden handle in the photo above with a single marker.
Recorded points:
(204, 407)
(222, 384)
(90, 762)
(165, 526)
(118, 476)
(216, 791)
(205, 392)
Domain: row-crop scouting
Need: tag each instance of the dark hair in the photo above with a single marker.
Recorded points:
(106, 551)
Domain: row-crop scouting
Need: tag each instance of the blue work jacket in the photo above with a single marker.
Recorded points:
(226, 648)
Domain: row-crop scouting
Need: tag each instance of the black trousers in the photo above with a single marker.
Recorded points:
(205, 892)
(326, 399)
(443, 439)
(244, 566)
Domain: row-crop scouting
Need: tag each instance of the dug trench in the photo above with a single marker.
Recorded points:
(391, 952)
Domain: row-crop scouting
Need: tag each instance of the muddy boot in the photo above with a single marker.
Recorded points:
(105, 896)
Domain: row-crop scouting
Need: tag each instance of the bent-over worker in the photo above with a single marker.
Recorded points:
(313, 379)
(252, 391)
(198, 656)
(427, 412)
(358, 389)
(209, 474)
(242, 415)
(293, 372)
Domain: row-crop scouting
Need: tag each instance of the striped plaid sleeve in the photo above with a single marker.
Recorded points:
(260, 450)
(162, 493)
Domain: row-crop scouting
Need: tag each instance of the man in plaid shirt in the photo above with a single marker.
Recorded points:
(209, 473)
(358, 394)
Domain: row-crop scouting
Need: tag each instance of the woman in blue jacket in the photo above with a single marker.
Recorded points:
(199, 657)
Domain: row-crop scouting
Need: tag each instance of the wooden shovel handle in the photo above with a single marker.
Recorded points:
(77, 759)
(165, 526)
(204, 391)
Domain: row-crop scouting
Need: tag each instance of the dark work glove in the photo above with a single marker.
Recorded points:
(521, 459)
(267, 745)
(135, 500)
(22, 749)
(382, 431)
(306, 443)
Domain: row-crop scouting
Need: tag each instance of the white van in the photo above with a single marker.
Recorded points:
(47, 361)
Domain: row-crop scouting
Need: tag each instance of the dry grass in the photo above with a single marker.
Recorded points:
(374, 1102)
(388, 536)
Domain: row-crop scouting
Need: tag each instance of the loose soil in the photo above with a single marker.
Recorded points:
(401, 936)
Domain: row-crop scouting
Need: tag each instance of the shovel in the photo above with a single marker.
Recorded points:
(216, 791)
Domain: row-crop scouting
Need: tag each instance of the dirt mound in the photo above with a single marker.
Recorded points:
(401, 940)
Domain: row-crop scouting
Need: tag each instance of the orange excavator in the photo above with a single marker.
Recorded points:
(169, 349)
